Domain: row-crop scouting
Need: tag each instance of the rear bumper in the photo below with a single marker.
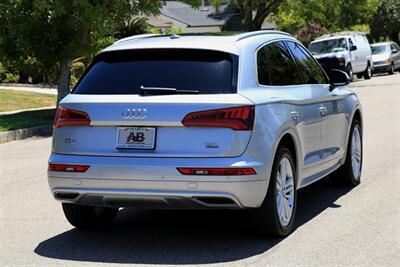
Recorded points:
(156, 183)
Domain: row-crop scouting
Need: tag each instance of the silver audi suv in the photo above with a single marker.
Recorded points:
(201, 121)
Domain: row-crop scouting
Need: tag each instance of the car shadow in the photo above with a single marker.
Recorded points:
(181, 237)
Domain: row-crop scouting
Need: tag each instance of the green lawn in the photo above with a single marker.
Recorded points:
(26, 119)
(15, 100)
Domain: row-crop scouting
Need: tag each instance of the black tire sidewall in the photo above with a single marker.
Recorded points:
(391, 71)
(349, 70)
(88, 217)
(353, 180)
(270, 205)
(368, 72)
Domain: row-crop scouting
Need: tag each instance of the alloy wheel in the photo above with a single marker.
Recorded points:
(356, 153)
(285, 192)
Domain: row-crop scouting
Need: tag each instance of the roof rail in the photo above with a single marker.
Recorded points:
(134, 37)
(341, 33)
(255, 33)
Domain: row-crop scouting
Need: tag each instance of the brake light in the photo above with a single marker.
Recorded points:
(67, 168)
(237, 118)
(70, 117)
(217, 171)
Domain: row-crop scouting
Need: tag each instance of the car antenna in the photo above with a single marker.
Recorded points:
(175, 36)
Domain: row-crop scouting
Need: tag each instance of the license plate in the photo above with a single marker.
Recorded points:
(136, 137)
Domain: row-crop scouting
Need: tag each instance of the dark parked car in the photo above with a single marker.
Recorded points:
(386, 57)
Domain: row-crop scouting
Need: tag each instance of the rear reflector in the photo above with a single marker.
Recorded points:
(217, 171)
(237, 118)
(70, 117)
(67, 168)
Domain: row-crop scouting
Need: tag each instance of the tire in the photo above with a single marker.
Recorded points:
(268, 220)
(368, 72)
(346, 175)
(391, 71)
(349, 71)
(359, 75)
(87, 217)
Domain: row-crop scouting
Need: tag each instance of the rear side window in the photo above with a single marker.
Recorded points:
(282, 68)
(262, 67)
(124, 72)
(310, 71)
(394, 46)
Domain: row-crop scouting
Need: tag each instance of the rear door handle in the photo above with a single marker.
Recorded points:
(322, 110)
(295, 115)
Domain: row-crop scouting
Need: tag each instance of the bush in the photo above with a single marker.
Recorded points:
(309, 32)
(7, 77)
(129, 28)
(169, 31)
(11, 78)
(77, 69)
(2, 72)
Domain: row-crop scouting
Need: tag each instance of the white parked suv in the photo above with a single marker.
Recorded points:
(347, 51)
(228, 122)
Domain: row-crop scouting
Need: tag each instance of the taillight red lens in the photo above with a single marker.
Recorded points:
(70, 117)
(217, 171)
(67, 168)
(237, 118)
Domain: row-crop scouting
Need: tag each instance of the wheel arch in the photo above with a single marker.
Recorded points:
(357, 114)
(290, 139)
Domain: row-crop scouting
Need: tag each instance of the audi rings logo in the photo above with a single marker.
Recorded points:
(134, 113)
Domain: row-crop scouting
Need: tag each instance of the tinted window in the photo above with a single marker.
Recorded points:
(124, 72)
(283, 70)
(309, 70)
(262, 67)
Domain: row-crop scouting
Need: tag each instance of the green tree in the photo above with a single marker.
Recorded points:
(56, 32)
(254, 12)
(335, 15)
(386, 21)
(131, 27)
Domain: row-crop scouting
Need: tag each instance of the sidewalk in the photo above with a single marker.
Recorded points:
(29, 88)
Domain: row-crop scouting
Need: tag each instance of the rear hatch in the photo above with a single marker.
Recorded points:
(156, 103)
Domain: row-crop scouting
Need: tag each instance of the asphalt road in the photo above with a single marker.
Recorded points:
(335, 226)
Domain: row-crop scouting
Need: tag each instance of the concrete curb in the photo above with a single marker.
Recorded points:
(25, 110)
(20, 134)
(27, 85)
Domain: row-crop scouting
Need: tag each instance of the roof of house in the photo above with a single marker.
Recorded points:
(200, 17)
(158, 22)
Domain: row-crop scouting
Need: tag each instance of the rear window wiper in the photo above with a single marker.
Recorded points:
(164, 91)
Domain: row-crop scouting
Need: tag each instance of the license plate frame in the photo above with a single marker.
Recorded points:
(150, 133)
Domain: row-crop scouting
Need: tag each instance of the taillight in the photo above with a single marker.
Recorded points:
(67, 168)
(217, 171)
(70, 117)
(237, 118)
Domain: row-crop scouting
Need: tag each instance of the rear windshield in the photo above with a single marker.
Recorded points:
(124, 72)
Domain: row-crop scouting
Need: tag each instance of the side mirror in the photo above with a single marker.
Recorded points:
(353, 48)
(338, 78)
(394, 51)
